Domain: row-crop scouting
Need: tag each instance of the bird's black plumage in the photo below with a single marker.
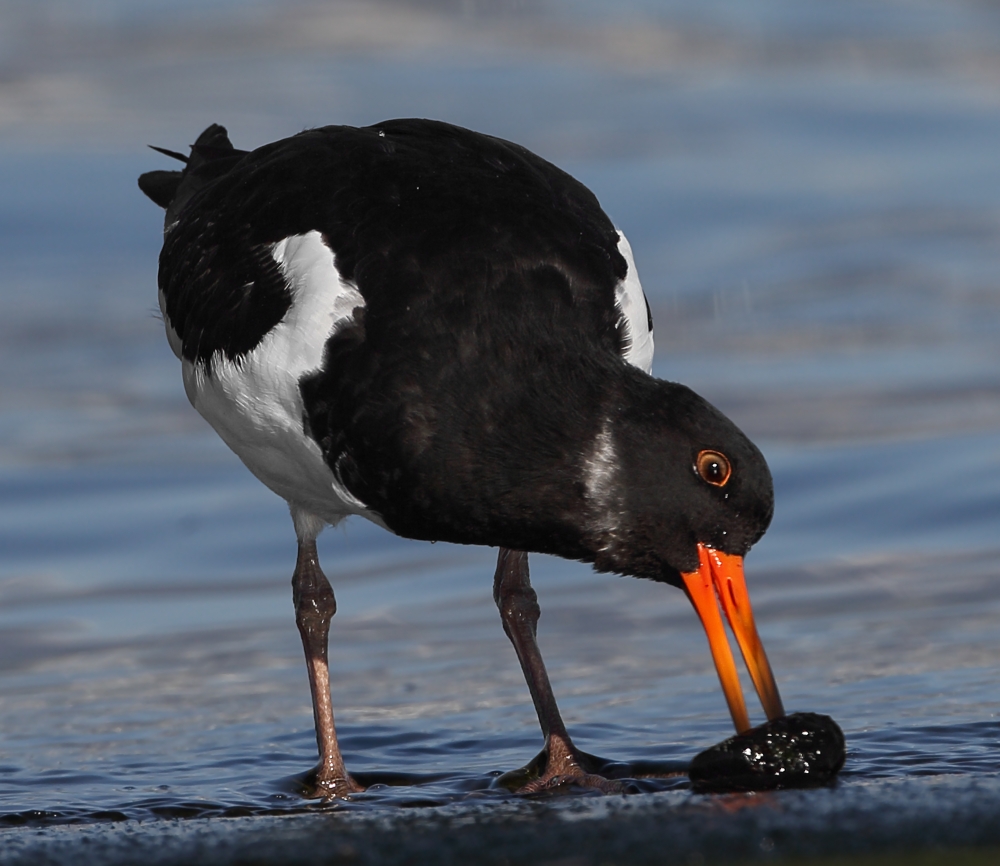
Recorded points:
(459, 405)
(477, 388)
(411, 210)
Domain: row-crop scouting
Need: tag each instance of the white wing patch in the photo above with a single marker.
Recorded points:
(634, 312)
(254, 403)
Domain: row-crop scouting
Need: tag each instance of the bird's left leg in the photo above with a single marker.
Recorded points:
(315, 606)
(562, 762)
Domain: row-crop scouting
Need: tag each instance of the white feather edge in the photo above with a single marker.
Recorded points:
(631, 304)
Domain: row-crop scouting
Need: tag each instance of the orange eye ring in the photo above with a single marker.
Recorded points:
(713, 467)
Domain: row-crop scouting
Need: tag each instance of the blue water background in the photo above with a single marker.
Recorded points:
(812, 193)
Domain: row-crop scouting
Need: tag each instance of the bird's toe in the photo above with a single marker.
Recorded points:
(317, 786)
(585, 780)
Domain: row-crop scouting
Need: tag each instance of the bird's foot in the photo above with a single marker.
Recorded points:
(327, 786)
(566, 768)
(582, 780)
(337, 789)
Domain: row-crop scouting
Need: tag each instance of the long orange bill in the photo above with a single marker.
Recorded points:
(719, 580)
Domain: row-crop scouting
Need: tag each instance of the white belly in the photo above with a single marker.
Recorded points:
(254, 403)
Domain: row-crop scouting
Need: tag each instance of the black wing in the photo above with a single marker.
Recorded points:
(488, 276)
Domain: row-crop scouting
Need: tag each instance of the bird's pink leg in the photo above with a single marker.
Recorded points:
(315, 606)
(519, 612)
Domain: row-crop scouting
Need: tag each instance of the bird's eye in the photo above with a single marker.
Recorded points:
(713, 468)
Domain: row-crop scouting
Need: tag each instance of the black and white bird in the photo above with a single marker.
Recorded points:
(442, 332)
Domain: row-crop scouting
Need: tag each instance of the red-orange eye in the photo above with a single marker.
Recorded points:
(713, 468)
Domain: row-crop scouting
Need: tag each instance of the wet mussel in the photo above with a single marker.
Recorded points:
(801, 750)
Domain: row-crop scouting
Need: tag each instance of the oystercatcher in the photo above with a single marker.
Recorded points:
(442, 332)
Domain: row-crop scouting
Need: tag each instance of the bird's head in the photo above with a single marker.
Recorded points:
(679, 494)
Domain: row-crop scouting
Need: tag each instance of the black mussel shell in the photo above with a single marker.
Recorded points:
(801, 750)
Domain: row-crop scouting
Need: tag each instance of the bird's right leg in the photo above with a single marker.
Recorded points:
(315, 606)
(560, 761)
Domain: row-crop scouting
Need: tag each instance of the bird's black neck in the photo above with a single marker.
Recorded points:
(559, 453)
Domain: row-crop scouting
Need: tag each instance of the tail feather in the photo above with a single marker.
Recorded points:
(173, 154)
(160, 186)
(212, 155)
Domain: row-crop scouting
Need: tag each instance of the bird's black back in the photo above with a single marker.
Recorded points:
(415, 211)
(488, 276)
(467, 399)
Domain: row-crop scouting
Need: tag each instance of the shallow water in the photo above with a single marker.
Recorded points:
(813, 197)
